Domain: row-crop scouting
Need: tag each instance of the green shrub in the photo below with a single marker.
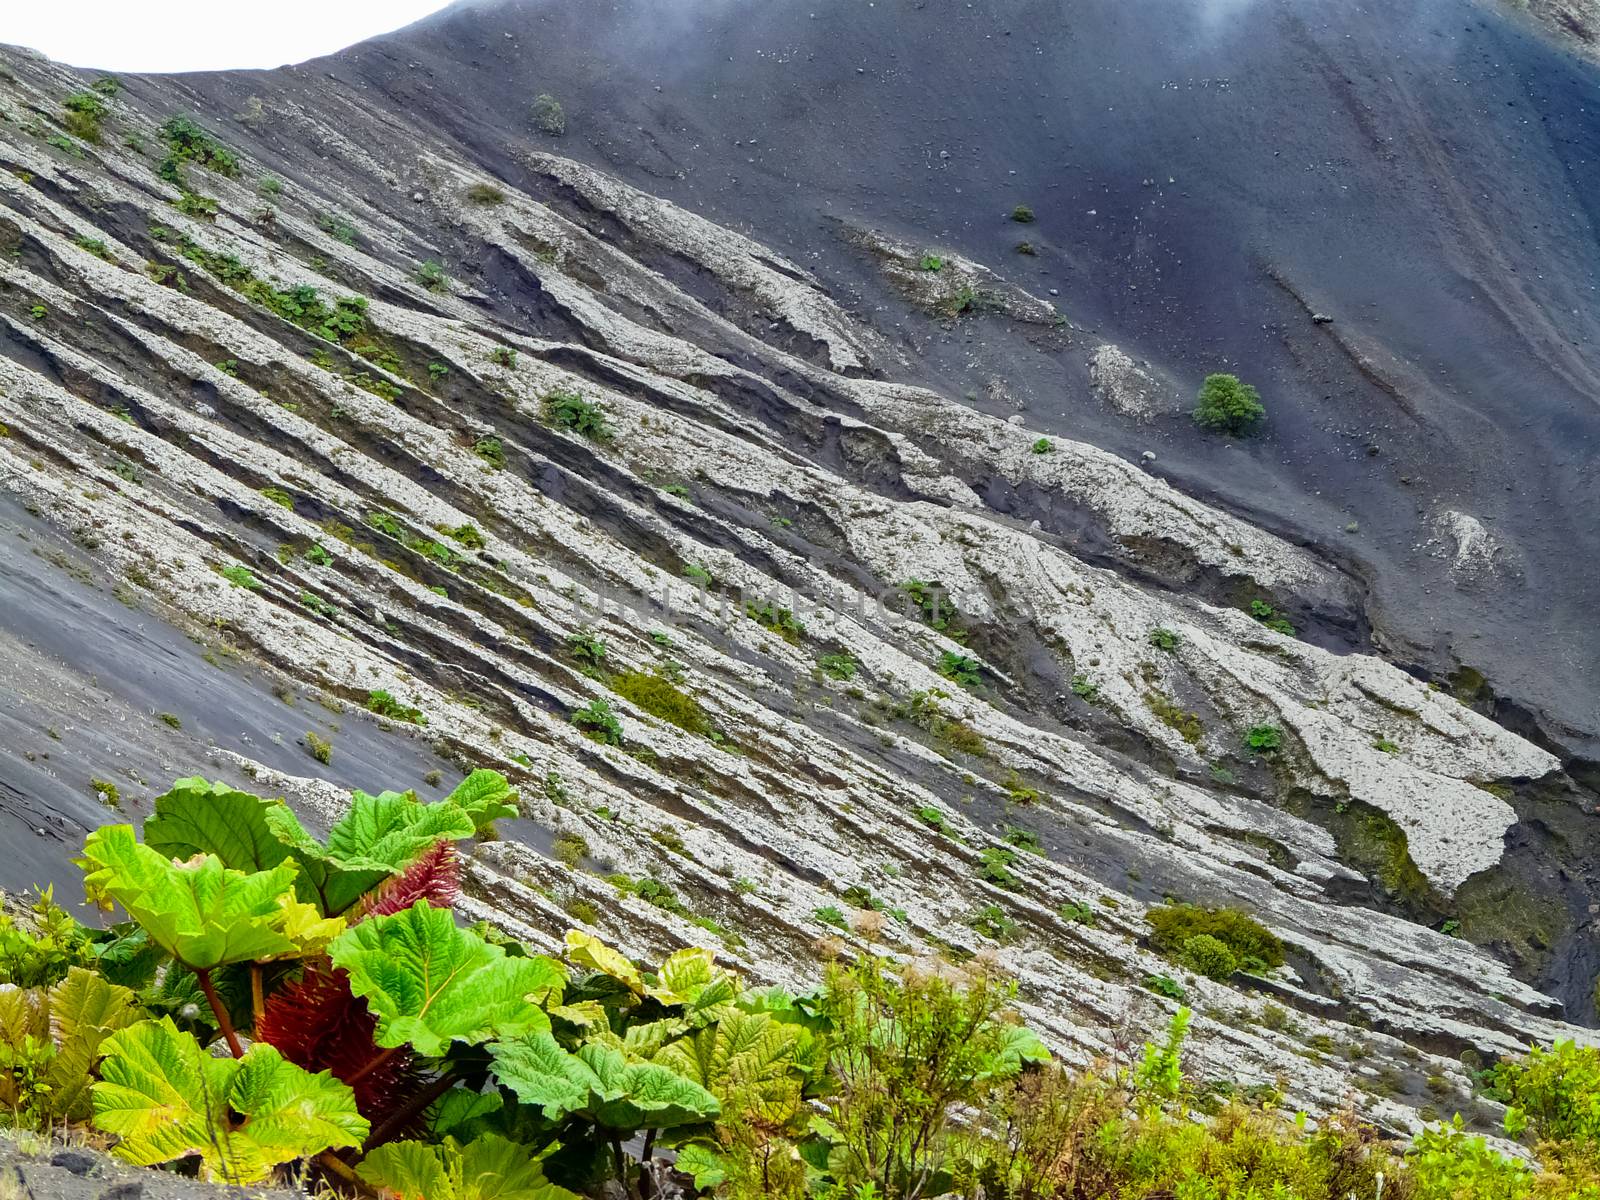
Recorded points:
(931, 262)
(994, 866)
(1165, 639)
(190, 143)
(431, 276)
(993, 922)
(486, 194)
(548, 115)
(503, 356)
(1044, 446)
(569, 410)
(660, 698)
(776, 620)
(1209, 956)
(830, 914)
(1022, 215)
(598, 723)
(337, 228)
(838, 666)
(385, 705)
(319, 747)
(492, 450)
(961, 668)
(1555, 1091)
(1225, 405)
(1269, 616)
(588, 651)
(1252, 945)
(83, 112)
(1263, 739)
(240, 576)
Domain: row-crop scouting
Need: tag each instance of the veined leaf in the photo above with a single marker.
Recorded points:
(632, 1096)
(746, 1060)
(379, 837)
(1017, 1046)
(599, 1083)
(84, 1011)
(197, 817)
(166, 1098)
(704, 1164)
(488, 1168)
(690, 977)
(544, 1075)
(460, 1108)
(486, 797)
(200, 912)
(589, 952)
(430, 983)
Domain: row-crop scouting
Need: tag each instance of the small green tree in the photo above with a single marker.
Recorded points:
(1227, 406)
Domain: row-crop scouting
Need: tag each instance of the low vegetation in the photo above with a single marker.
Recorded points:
(1214, 942)
(1225, 405)
(570, 411)
(255, 970)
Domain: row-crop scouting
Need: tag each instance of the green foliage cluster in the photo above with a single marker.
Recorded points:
(775, 619)
(548, 115)
(960, 668)
(273, 997)
(923, 710)
(598, 722)
(188, 142)
(385, 705)
(934, 606)
(1224, 405)
(570, 411)
(1271, 617)
(1263, 739)
(838, 666)
(82, 113)
(1213, 942)
(661, 698)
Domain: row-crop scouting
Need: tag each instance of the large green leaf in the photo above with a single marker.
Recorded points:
(202, 913)
(690, 977)
(486, 797)
(430, 983)
(631, 1096)
(197, 817)
(748, 1061)
(379, 837)
(589, 952)
(488, 1168)
(600, 1084)
(84, 1011)
(544, 1075)
(166, 1099)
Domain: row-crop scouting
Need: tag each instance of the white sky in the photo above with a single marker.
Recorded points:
(198, 35)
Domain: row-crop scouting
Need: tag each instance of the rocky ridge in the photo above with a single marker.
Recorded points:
(762, 455)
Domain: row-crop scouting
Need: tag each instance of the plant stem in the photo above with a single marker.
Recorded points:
(373, 1064)
(221, 1013)
(341, 1170)
(258, 998)
(402, 1116)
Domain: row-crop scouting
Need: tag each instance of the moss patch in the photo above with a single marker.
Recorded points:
(661, 698)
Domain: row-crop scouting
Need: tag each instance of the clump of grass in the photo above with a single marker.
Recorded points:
(336, 227)
(486, 194)
(170, 720)
(278, 496)
(1252, 946)
(319, 747)
(1022, 215)
(82, 113)
(570, 848)
(661, 698)
(106, 792)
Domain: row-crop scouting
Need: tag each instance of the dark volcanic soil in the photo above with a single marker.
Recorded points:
(1205, 177)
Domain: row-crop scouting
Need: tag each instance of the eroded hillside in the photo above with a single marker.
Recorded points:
(623, 504)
